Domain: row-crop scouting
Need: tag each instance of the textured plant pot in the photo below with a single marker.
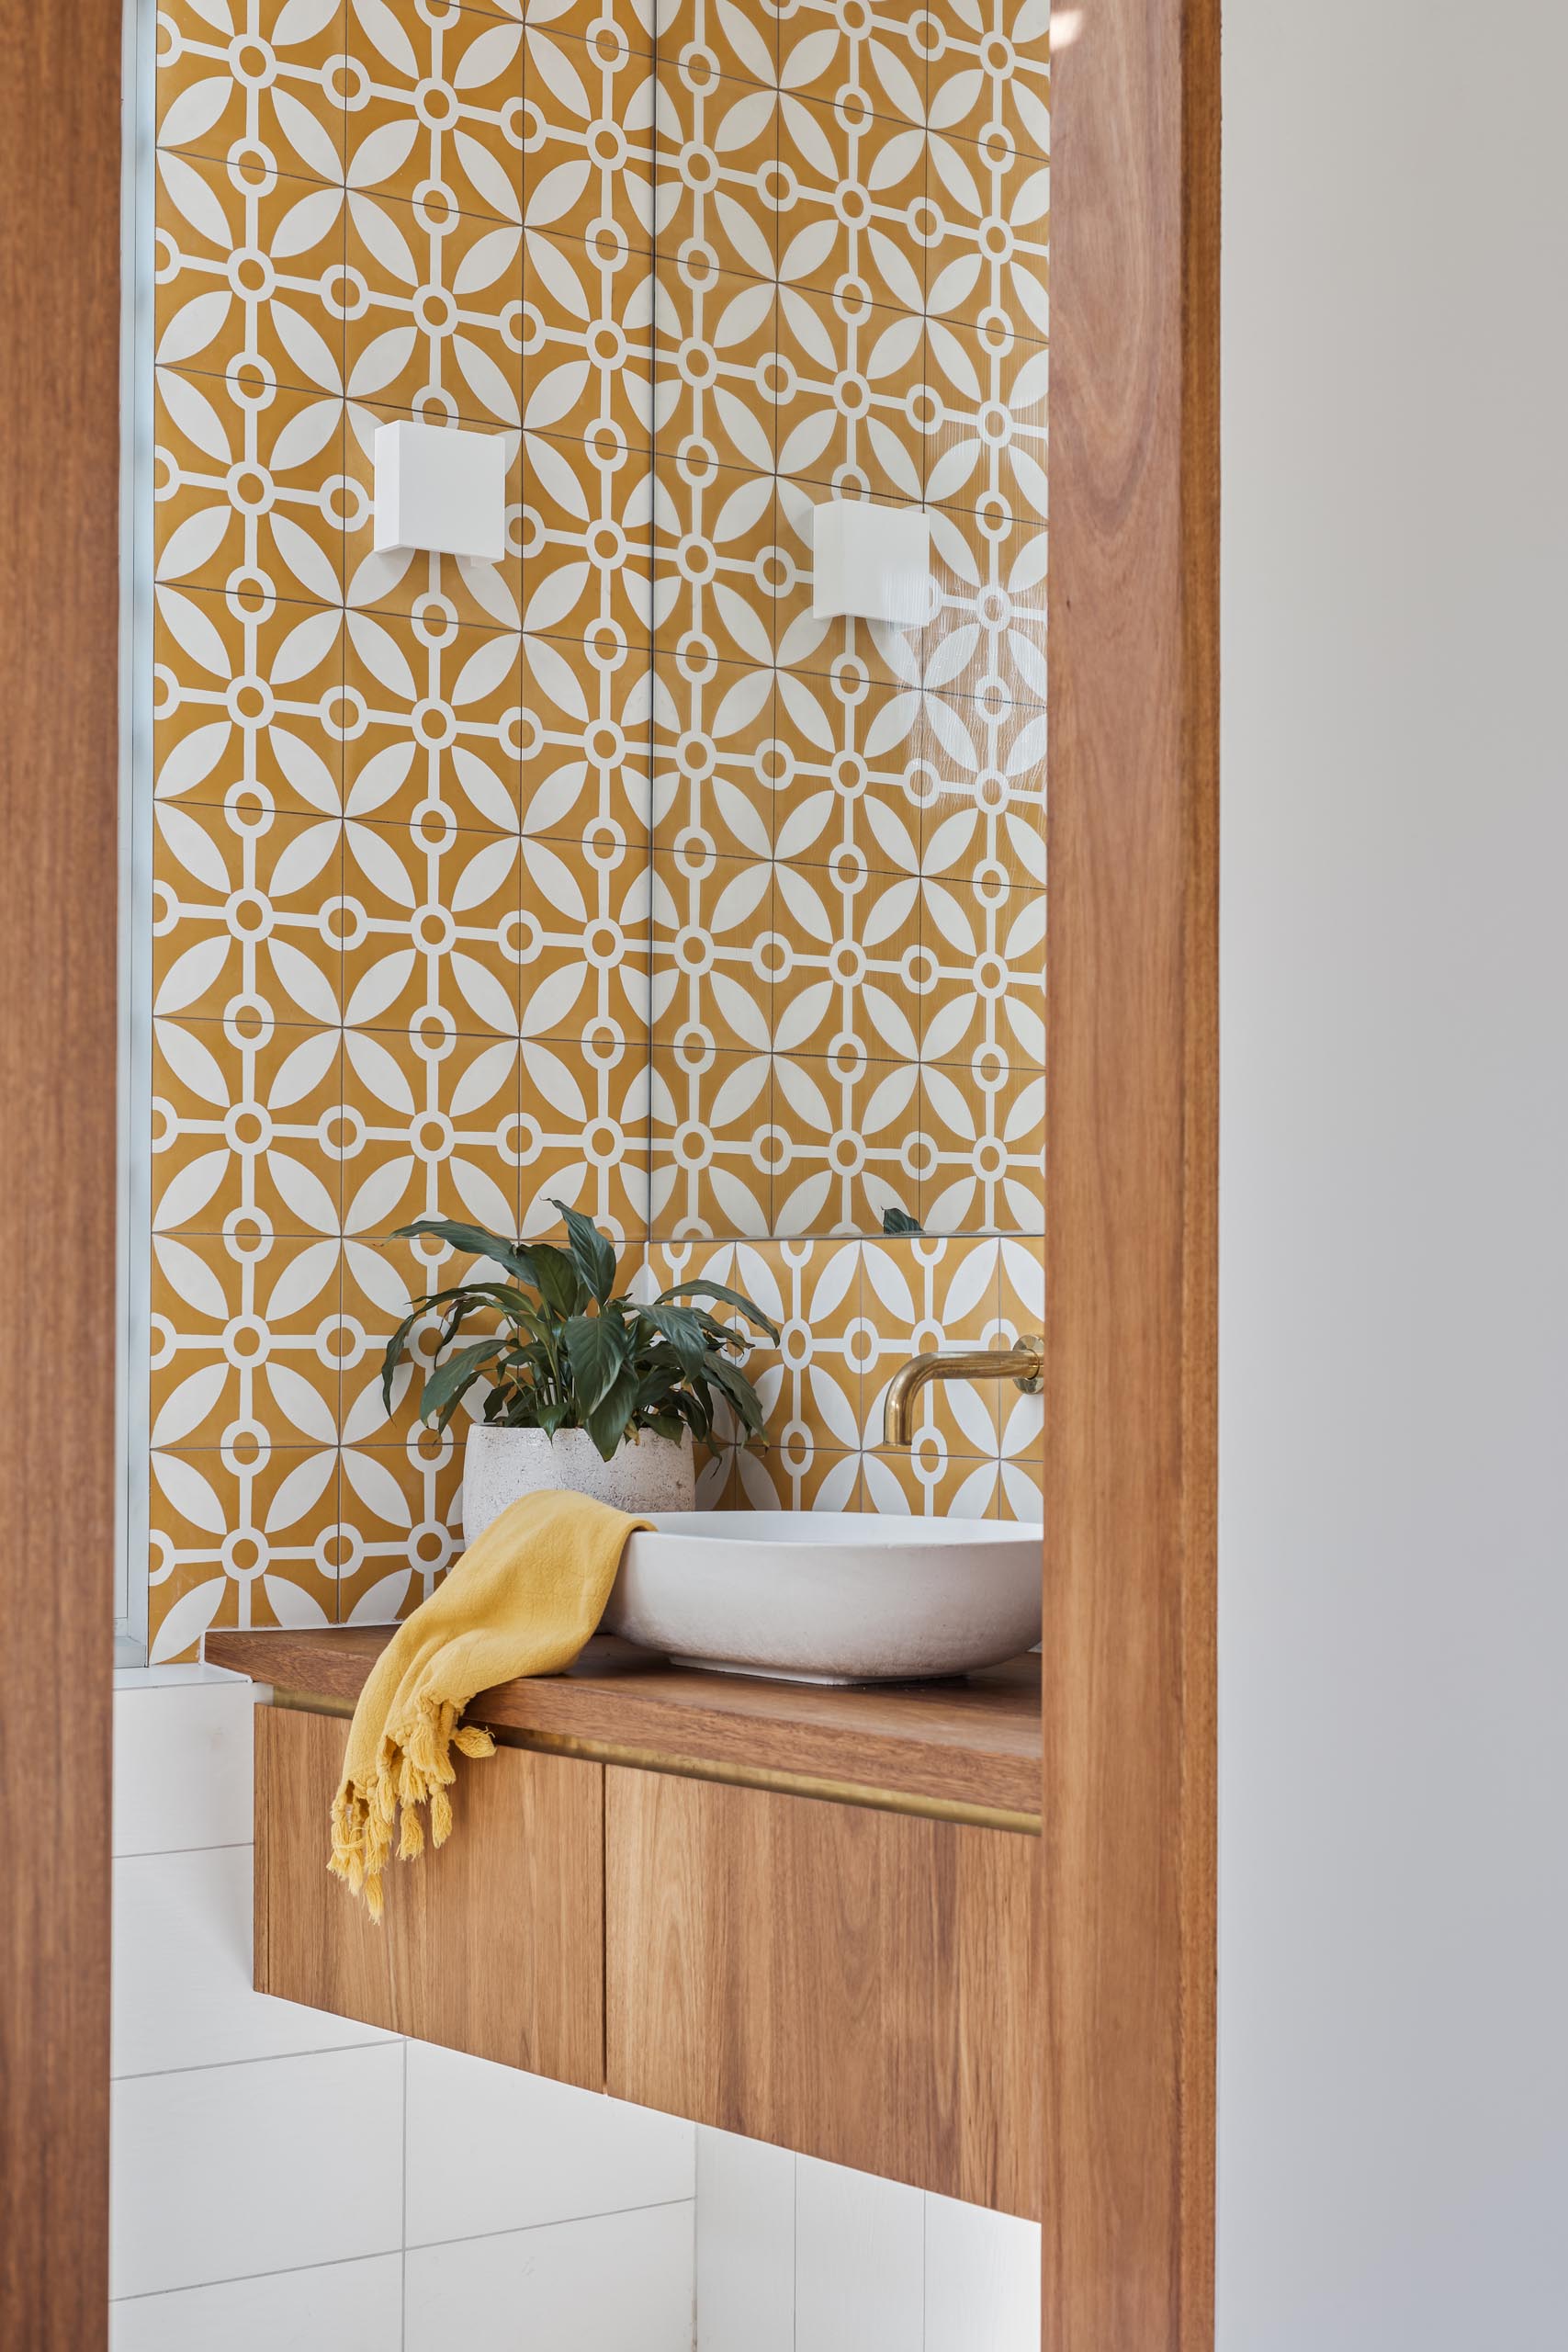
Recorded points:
(646, 1472)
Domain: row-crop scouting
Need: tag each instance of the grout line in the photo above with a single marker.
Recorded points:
(156, 1853)
(268, 2058)
(564, 2222)
(243, 2277)
(382, 2254)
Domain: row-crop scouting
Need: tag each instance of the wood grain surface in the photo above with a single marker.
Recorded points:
(1128, 1854)
(59, 816)
(861, 1986)
(973, 1743)
(493, 1944)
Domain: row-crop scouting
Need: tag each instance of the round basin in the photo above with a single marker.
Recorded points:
(829, 1596)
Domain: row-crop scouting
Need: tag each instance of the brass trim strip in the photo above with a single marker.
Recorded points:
(735, 1776)
(306, 1703)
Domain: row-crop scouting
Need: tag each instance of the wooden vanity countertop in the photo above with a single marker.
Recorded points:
(972, 1742)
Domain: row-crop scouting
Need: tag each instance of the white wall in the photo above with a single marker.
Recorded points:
(284, 2177)
(1393, 2112)
(794, 2252)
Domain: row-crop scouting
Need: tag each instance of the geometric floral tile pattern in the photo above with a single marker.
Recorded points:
(850, 1312)
(605, 872)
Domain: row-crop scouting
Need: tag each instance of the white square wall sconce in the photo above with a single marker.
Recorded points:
(871, 562)
(440, 491)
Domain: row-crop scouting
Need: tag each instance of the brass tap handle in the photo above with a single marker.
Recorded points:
(1024, 1364)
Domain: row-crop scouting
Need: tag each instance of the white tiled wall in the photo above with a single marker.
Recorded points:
(272, 2163)
(794, 2256)
(286, 2178)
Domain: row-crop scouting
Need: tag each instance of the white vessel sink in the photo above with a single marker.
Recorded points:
(829, 1596)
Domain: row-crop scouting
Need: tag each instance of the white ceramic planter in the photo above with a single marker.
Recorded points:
(646, 1473)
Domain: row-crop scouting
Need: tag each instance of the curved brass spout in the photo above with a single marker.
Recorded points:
(1024, 1364)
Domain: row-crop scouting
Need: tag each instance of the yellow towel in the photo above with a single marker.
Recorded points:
(522, 1600)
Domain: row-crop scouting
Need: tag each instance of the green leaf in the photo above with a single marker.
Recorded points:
(594, 1255)
(600, 1353)
(741, 1393)
(684, 1333)
(611, 1418)
(445, 1388)
(395, 1345)
(900, 1221)
(718, 1290)
(559, 1281)
(475, 1241)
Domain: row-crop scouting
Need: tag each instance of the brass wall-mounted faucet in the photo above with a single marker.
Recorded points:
(1023, 1363)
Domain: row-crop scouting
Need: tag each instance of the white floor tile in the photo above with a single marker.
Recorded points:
(182, 1766)
(236, 2170)
(345, 2307)
(182, 1970)
(492, 2149)
(982, 2279)
(619, 2283)
(858, 2264)
(745, 2245)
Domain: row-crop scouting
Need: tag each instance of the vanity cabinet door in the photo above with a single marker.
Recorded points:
(494, 1945)
(856, 1984)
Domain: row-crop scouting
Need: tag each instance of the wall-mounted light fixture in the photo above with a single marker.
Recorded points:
(871, 562)
(440, 491)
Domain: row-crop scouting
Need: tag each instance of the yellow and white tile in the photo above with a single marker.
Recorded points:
(433, 718)
(434, 303)
(247, 488)
(239, 1536)
(711, 1140)
(245, 704)
(717, 769)
(984, 230)
(244, 1128)
(718, 382)
(866, 58)
(717, 166)
(245, 1339)
(431, 931)
(849, 395)
(248, 273)
(588, 139)
(256, 78)
(988, 71)
(588, 340)
(850, 188)
(435, 102)
(243, 911)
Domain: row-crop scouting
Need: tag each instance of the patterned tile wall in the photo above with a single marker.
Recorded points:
(442, 849)
(848, 820)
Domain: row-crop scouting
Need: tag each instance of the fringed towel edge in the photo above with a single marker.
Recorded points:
(419, 1772)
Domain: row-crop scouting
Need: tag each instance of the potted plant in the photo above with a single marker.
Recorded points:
(588, 1389)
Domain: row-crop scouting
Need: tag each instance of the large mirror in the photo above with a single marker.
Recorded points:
(834, 964)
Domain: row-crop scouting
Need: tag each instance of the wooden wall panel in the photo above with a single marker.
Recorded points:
(1128, 1660)
(58, 588)
(855, 1985)
(492, 1945)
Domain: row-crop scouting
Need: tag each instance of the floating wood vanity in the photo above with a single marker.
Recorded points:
(809, 1915)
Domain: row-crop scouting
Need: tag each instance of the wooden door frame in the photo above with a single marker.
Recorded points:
(60, 298)
(1128, 1861)
(1128, 1857)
